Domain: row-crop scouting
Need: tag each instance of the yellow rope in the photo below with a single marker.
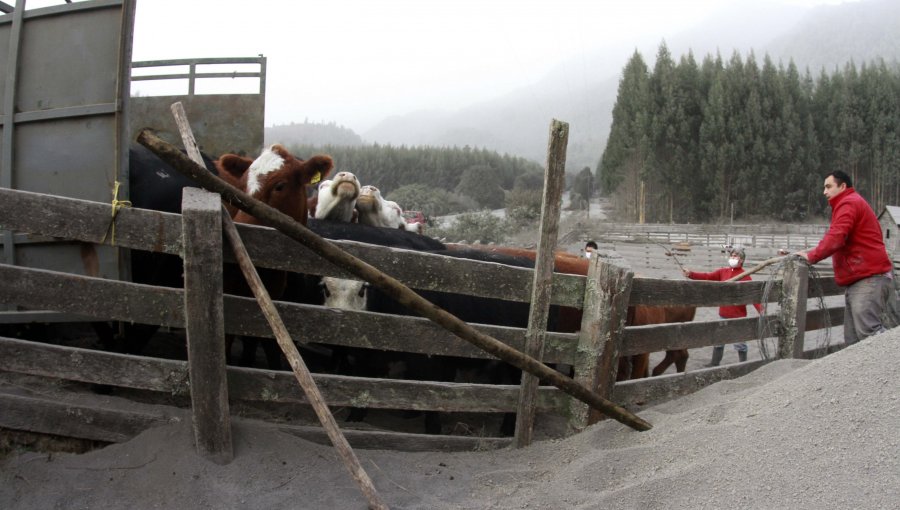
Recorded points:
(116, 205)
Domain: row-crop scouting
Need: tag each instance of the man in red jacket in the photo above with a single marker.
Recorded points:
(735, 267)
(860, 260)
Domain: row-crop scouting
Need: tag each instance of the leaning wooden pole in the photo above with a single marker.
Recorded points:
(389, 285)
(301, 372)
(298, 366)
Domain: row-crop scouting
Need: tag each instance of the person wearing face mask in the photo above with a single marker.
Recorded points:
(589, 249)
(735, 267)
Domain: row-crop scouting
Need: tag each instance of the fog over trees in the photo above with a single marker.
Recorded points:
(699, 142)
(743, 116)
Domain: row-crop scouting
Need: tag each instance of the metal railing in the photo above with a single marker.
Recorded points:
(192, 75)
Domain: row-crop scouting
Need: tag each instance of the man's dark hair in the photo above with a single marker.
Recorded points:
(841, 178)
(591, 244)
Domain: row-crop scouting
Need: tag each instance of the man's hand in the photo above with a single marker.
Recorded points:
(686, 273)
(804, 254)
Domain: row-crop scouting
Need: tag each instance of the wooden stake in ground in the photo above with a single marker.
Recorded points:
(387, 284)
(298, 366)
(554, 182)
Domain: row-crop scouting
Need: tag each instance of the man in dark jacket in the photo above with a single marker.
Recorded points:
(857, 252)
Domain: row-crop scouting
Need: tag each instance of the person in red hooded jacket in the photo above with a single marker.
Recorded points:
(859, 257)
(736, 257)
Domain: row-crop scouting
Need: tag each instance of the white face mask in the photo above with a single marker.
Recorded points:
(733, 262)
(587, 254)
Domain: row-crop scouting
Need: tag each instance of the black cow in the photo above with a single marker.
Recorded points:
(153, 184)
(306, 289)
(362, 362)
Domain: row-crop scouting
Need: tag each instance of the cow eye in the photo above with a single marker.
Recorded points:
(280, 186)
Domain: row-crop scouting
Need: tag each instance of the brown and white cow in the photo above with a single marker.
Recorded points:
(276, 177)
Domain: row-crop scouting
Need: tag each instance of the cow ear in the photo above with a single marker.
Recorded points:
(233, 165)
(317, 168)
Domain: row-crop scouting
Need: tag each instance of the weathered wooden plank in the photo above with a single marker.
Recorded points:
(399, 441)
(666, 387)
(156, 305)
(379, 331)
(171, 376)
(83, 220)
(85, 365)
(123, 301)
(554, 181)
(152, 230)
(693, 335)
(418, 270)
(815, 319)
(250, 384)
(205, 324)
(602, 329)
(689, 335)
(101, 420)
(157, 231)
(94, 297)
(656, 292)
(84, 421)
(826, 285)
(793, 310)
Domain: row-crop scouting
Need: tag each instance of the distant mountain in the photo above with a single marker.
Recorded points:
(839, 34)
(517, 123)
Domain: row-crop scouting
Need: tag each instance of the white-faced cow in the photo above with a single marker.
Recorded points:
(336, 199)
(376, 211)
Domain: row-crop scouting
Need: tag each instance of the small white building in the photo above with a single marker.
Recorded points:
(890, 230)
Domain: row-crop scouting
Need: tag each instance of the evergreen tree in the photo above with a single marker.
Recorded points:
(582, 188)
(624, 159)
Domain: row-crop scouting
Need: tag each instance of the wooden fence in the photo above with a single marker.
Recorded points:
(788, 236)
(592, 351)
(667, 259)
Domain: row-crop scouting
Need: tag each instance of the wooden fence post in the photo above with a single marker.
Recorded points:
(793, 309)
(204, 323)
(607, 290)
(554, 183)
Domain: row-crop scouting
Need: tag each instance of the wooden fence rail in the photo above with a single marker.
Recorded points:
(156, 231)
(775, 235)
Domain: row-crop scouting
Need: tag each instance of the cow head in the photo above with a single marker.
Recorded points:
(344, 294)
(337, 198)
(276, 178)
(369, 206)
(369, 198)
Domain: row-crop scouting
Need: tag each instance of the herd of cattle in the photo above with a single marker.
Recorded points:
(342, 209)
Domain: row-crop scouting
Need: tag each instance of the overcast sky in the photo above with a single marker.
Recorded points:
(357, 61)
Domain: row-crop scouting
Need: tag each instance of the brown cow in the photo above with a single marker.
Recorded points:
(279, 179)
(276, 177)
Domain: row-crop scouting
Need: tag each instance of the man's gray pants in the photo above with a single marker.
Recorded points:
(864, 305)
